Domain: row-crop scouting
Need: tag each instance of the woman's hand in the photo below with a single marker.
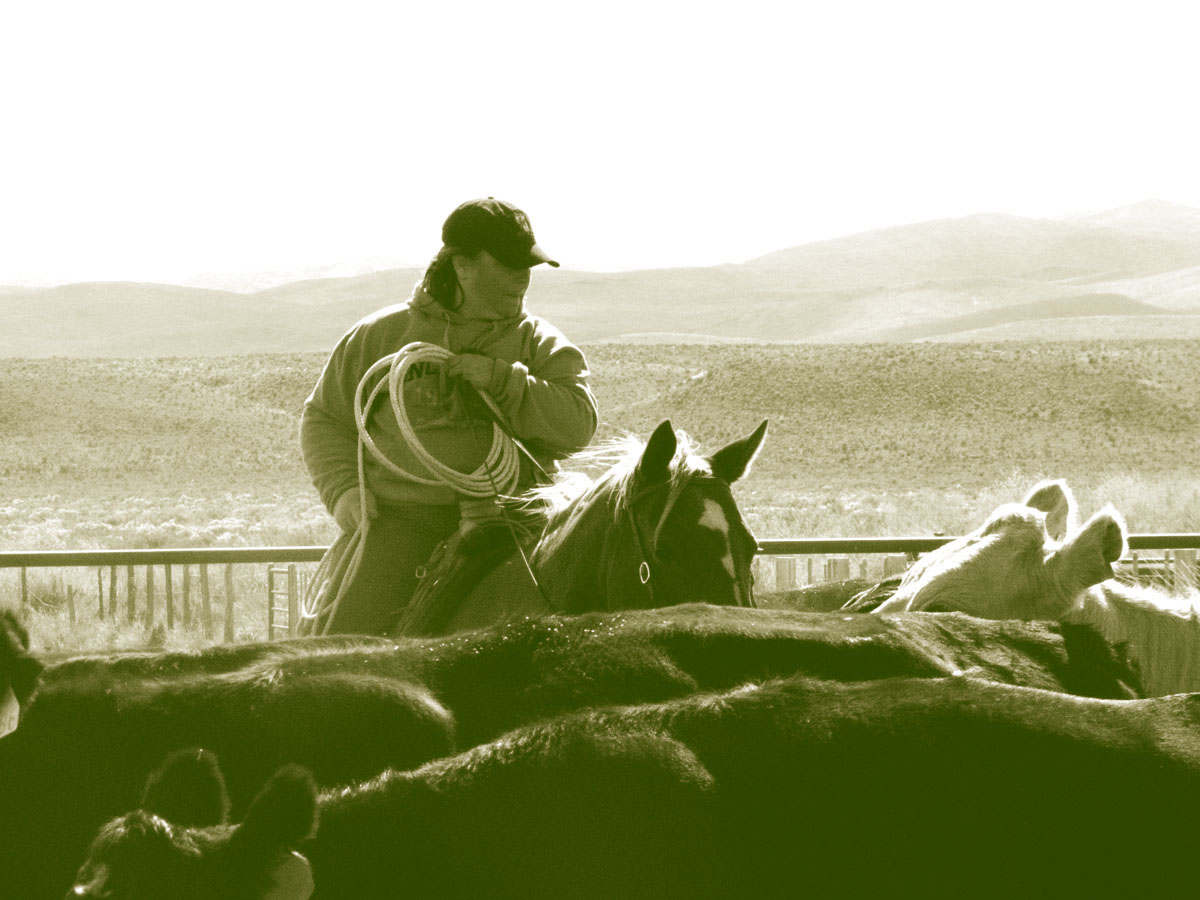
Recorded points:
(473, 367)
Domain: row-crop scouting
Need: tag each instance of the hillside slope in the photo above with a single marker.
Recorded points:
(869, 417)
(965, 276)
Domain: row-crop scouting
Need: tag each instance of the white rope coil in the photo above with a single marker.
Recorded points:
(498, 473)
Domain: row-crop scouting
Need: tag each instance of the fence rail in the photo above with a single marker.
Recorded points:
(284, 584)
(33, 559)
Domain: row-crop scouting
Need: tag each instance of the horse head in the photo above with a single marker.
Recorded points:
(659, 528)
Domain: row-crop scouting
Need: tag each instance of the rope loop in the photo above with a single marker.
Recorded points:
(500, 470)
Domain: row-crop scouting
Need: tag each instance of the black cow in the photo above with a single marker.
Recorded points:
(496, 679)
(795, 787)
(348, 710)
(74, 760)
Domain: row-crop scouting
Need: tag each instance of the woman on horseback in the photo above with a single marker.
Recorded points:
(496, 363)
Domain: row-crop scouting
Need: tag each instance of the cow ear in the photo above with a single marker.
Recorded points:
(188, 789)
(733, 461)
(1054, 498)
(655, 465)
(1087, 556)
(282, 815)
(24, 671)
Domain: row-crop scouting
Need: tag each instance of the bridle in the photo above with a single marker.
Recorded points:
(645, 572)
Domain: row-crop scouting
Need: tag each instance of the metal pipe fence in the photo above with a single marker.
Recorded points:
(1177, 568)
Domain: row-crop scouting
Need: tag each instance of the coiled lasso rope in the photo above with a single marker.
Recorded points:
(497, 474)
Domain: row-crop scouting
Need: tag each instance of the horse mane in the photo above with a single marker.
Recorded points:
(600, 477)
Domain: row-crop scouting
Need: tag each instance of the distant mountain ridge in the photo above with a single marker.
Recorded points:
(968, 278)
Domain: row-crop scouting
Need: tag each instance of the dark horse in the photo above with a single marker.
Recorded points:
(657, 528)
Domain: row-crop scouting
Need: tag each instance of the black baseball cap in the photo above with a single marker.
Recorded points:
(497, 227)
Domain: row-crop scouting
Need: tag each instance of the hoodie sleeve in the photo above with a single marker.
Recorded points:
(328, 435)
(548, 400)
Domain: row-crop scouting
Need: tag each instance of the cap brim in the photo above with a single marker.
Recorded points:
(538, 255)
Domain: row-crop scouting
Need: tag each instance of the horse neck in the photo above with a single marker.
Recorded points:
(572, 561)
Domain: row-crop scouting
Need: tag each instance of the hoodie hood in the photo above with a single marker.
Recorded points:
(422, 301)
(459, 333)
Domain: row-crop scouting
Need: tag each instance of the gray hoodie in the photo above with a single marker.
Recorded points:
(539, 381)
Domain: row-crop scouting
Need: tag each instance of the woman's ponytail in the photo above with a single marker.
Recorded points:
(441, 281)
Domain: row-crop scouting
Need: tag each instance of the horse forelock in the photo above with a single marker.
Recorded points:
(603, 478)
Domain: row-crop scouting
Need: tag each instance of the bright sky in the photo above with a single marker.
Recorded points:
(158, 141)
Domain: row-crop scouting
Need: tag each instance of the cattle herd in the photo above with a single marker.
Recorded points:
(983, 727)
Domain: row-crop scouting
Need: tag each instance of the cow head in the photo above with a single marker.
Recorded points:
(179, 845)
(1027, 561)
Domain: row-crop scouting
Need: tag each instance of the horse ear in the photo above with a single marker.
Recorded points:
(733, 461)
(655, 464)
(188, 789)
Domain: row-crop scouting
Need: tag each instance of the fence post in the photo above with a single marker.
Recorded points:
(1183, 576)
(270, 603)
(100, 592)
(71, 603)
(293, 600)
(112, 592)
(229, 603)
(785, 573)
(810, 571)
(149, 597)
(187, 596)
(205, 602)
(837, 568)
(170, 597)
(24, 588)
(131, 593)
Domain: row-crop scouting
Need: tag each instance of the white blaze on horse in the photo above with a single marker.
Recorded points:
(1030, 561)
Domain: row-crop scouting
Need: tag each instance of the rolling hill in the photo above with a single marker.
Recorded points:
(1123, 272)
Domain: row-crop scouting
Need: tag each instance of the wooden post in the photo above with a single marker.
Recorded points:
(169, 597)
(293, 600)
(112, 592)
(862, 569)
(229, 603)
(70, 591)
(131, 593)
(205, 602)
(149, 597)
(1183, 574)
(187, 596)
(24, 588)
(810, 571)
(100, 593)
(785, 573)
(837, 568)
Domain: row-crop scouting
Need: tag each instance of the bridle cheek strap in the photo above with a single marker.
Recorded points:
(644, 567)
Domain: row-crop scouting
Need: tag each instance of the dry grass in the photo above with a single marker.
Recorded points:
(864, 440)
